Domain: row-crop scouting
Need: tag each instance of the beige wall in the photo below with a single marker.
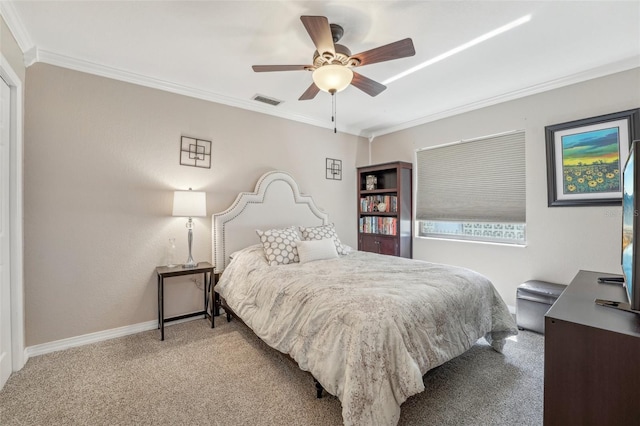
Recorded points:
(561, 240)
(101, 164)
(10, 50)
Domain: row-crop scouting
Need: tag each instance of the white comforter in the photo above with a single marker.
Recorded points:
(368, 327)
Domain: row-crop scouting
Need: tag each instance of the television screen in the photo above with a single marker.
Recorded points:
(628, 221)
(630, 227)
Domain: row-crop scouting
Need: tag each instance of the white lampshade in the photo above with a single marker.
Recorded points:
(332, 78)
(190, 203)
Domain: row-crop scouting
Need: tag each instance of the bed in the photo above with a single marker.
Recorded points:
(366, 326)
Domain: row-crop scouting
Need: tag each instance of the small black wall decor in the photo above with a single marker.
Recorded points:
(334, 169)
(195, 152)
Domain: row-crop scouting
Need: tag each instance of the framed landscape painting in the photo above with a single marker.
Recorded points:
(585, 158)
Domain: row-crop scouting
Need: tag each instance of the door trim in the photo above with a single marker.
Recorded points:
(16, 213)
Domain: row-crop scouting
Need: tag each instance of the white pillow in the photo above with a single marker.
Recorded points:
(321, 233)
(280, 245)
(308, 251)
(237, 252)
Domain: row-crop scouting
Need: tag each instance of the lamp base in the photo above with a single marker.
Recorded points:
(190, 264)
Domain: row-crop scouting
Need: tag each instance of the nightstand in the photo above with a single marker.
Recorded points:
(204, 268)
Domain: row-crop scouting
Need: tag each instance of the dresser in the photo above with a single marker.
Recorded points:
(591, 357)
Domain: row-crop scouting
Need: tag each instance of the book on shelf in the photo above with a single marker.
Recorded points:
(379, 203)
(378, 225)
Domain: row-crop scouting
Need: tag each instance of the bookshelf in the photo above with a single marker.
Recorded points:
(385, 223)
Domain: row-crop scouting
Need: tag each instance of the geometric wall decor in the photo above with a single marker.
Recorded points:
(195, 152)
(334, 169)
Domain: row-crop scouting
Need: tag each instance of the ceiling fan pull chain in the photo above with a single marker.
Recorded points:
(333, 111)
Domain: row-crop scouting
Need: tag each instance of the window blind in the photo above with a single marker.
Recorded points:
(481, 180)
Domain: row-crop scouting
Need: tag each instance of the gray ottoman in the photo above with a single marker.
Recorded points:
(533, 300)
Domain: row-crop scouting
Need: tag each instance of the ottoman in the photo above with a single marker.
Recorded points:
(533, 300)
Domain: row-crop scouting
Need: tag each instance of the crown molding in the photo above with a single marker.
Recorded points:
(601, 71)
(17, 28)
(34, 54)
(64, 61)
(30, 56)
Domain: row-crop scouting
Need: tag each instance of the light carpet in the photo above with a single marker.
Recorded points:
(227, 376)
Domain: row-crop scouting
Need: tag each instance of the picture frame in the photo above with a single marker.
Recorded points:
(195, 152)
(333, 170)
(585, 159)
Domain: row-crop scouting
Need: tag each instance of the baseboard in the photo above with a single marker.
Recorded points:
(98, 336)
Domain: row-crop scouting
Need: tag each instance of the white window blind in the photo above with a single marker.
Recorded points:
(481, 180)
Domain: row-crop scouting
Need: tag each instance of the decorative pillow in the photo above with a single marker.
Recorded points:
(316, 250)
(323, 232)
(280, 245)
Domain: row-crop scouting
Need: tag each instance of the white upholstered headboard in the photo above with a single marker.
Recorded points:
(276, 203)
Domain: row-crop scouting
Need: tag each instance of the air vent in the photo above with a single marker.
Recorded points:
(266, 100)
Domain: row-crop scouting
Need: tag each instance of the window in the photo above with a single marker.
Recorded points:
(473, 190)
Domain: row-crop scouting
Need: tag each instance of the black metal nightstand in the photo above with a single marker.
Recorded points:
(204, 268)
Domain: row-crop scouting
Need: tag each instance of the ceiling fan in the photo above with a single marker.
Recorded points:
(333, 63)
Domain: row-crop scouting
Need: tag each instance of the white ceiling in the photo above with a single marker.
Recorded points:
(206, 48)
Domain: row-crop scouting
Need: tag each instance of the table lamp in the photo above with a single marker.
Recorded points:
(190, 204)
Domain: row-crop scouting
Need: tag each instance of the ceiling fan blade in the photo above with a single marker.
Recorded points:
(310, 93)
(388, 52)
(368, 86)
(320, 32)
(268, 68)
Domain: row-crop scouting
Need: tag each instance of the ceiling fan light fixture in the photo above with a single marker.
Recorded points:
(332, 78)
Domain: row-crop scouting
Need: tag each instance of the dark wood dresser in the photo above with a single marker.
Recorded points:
(591, 357)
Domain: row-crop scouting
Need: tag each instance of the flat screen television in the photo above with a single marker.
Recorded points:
(631, 228)
(630, 258)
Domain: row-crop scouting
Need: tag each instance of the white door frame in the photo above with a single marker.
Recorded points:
(16, 213)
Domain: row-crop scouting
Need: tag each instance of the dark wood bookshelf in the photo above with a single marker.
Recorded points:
(394, 180)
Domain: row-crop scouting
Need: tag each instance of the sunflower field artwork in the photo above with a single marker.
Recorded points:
(585, 158)
(591, 162)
